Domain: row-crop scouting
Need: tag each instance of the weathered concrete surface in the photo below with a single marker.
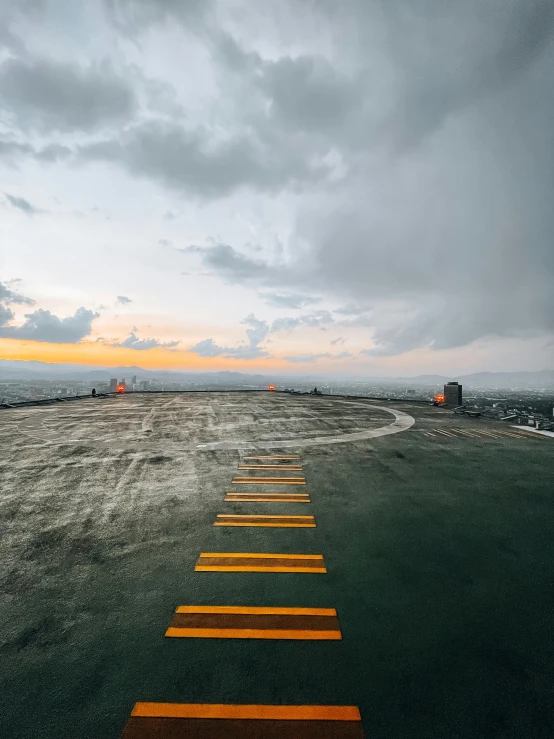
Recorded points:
(439, 552)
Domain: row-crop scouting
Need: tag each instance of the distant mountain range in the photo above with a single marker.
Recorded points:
(32, 370)
(487, 380)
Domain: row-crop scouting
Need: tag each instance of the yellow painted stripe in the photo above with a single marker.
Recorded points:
(257, 610)
(255, 634)
(289, 467)
(251, 524)
(284, 496)
(445, 433)
(267, 500)
(271, 457)
(236, 568)
(229, 711)
(261, 555)
(268, 481)
(257, 515)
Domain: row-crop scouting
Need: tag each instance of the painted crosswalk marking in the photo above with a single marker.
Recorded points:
(243, 622)
(267, 498)
(259, 562)
(271, 456)
(217, 721)
(268, 481)
(244, 519)
(289, 467)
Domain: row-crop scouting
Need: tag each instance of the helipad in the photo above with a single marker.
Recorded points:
(208, 422)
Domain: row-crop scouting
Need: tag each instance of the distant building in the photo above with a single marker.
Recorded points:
(453, 393)
(113, 385)
(134, 380)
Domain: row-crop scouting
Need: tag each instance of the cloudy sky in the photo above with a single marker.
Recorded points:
(364, 186)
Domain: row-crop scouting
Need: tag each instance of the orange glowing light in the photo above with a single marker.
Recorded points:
(121, 388)
(271, 387)
(439, 398)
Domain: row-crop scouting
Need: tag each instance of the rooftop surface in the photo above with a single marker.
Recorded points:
(436, 531)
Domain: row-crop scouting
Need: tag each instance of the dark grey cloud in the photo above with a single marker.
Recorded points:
(6, 314)
(13, 10)
(41, 325)
(307, 93)
(133, 342)
(132, 15)
(299, 358)
(340, 340)
(352, 309)
(231, 265)
(313, 320)
(12, 152)
(53, 153)
(288, 300)
(225, 261)
(187, 160)
(256, 333)
(484, 48)
(123, 300)
(23, 205)
(51, 95)
(8, 296)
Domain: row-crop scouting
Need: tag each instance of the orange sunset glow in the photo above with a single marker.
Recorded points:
(97, 354)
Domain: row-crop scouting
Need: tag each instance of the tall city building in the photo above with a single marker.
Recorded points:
(113, 385)
(134, 380)
(453, 393)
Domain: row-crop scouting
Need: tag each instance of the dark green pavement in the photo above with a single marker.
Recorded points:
(439, 560)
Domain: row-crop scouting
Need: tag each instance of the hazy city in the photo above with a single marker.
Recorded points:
(489, 393)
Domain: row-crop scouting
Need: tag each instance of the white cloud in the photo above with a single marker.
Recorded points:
(256, 333)
(42, 325)
(133, 342)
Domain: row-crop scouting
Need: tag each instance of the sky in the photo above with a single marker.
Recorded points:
(363, 187)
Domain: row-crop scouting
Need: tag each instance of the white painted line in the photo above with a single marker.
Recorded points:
(534, 431)
(402, 421)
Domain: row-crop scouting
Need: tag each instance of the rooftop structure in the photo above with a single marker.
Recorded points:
(453, 394)
(417, 541)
